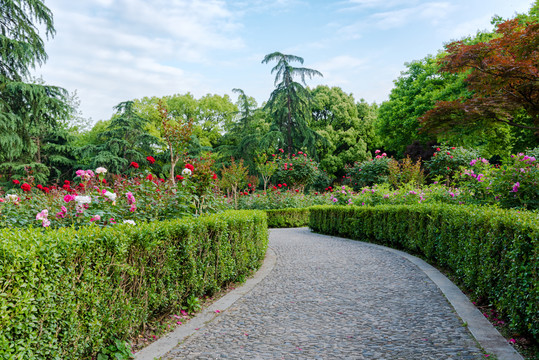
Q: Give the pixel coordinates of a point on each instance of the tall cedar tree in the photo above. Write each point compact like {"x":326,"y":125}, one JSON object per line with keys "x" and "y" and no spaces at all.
{"x":289,"y":103}
{"x":503,"y":76}
{"x":28,"y":111}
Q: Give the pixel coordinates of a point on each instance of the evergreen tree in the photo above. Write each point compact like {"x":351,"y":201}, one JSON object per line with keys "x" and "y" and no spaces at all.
{"x":125,"y":140}
{"x":289,"y":104}
{"x":28,"y":110}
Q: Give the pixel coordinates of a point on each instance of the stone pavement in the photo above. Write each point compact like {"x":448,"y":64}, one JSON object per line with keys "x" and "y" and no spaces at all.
{"x":332,"y":298}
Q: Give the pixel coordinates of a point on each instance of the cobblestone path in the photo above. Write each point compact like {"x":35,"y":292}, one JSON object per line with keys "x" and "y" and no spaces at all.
{"x":331,"y":298}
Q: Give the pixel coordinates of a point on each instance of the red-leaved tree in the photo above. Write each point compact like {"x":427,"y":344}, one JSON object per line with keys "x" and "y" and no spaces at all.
{"x":503,"y":80}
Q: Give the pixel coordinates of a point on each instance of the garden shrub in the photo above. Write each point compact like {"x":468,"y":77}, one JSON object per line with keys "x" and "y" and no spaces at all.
{"x":298,"y":171}
{"x":68,"y":294}
{"x":405,"y":172}
{"x":447,"y":161}
{"x":368,"y":173}
{"x":492,"y":252}
{"x":287,"y":218}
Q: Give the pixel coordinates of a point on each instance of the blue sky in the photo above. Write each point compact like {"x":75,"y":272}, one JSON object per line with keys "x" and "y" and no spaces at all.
{"x":115,"y":50}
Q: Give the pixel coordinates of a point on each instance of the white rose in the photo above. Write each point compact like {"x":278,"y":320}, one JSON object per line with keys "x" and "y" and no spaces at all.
{"x":129,"y":222}
{"x":100,"y":170}
{"x":186,"y":171}
{"x":111,"y":196}
{"x":83,"y":199}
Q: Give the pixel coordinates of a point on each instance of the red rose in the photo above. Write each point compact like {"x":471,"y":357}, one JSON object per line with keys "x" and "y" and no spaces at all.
{"x":438,"y":149}
{"x":214,"y":176}
{"x":279,"y":185}
{"x":46,"y":189}
{"x":150,"y":159}
{"x":67,"y":182}
{"x":39,"y":186}
{"x":134,"y":164}
{"x":249,"y":185}
{"x":81,"y":185}
{"x":104,"y":181}
{"x":25,"y":187}
{"x":284,"y":184}
{"x":149,"y":177}
{"x":179,"y":177}
{"x":190,"y":167}
{"x":16,"y":182}
{"x":297,"y":190}
{"x":274,"y":187}
{"x":66,"y":186}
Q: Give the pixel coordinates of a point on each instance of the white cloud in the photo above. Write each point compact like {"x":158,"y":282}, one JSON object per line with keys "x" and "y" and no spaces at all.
{"x":433,"y":13}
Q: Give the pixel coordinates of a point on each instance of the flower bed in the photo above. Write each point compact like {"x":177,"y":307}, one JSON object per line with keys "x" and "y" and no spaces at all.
{"x":494,"y":253}
{"x":68,"y":293}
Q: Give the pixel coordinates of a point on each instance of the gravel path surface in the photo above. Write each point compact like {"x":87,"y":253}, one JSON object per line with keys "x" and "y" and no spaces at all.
{"x":331,"y":298}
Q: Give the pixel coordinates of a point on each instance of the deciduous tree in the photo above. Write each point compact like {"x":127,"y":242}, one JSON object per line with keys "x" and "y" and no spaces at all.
{"x":502,"y":74}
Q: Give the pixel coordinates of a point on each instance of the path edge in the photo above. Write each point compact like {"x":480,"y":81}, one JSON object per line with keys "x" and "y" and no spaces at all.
{"x":168,"y":342}
{"x":488,"y":337}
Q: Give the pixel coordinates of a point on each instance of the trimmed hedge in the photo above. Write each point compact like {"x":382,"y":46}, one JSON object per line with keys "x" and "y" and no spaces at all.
{"x":288,"y":218}
{"x":67,"y":294}
{"x":494,"y":253}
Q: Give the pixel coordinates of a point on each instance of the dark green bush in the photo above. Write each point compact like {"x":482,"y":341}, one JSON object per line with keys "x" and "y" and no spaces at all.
{"x":492,"y":252}
{"x":67,"y":294}
{"x":287,"y":218}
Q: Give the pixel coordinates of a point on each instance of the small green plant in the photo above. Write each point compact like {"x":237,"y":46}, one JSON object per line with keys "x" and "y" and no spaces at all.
{"x":120,"y":350}
{"x":193,"y":304}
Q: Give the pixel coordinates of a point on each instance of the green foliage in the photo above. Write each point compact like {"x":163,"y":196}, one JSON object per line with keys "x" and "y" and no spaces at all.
{"x":124,"y":140}
{"x":70,"y":294}
{"x":370,"y":172}
{"x":405,"y":172}
{"x":280,"y":198}
{"x":233,"y":178}
{"x":120,"y":350}
{"x":289,"y":104}
{"x":513,"y":184}
{"x":415,"y":92}
{"x":265,"y":168}
{"x":21,"y":47}
{"x":447,"y":161}
{"x":491,"y":251}
{"x":243,"y":139}
{"x":296,"y":171}
{"x":287,"y":218}
{"x":345,"y":135}
{"x":192,"y":304}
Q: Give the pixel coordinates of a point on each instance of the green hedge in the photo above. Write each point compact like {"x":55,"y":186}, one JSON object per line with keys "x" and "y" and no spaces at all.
{"x":66,"y":294}
{"x":287,"y":218}
{"x":494,"y":253}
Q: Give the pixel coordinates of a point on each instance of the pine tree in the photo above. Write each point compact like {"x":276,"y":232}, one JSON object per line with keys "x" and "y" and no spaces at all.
{"x":289,"y":103}
{"x":28,"y":110}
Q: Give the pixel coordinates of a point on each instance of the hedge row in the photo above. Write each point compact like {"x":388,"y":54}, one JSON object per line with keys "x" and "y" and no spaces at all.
{"x":288,"y":218}
{"x":494,"y":253}
{"x":66,"y":294}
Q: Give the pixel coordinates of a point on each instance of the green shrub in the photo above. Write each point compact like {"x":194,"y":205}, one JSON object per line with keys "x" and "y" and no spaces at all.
{"x":493,"y":252}
{"x":368,"y":173}
{"x":447,"y":161}
{"x":287,"y":218}
{"x":68,"y":294}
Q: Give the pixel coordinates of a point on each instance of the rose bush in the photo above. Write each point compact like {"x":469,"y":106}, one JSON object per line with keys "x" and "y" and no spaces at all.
{"x":90,"y":199}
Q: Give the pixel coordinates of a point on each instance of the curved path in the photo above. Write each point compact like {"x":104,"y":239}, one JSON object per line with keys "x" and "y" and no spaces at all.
{"x":333,"y":298}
